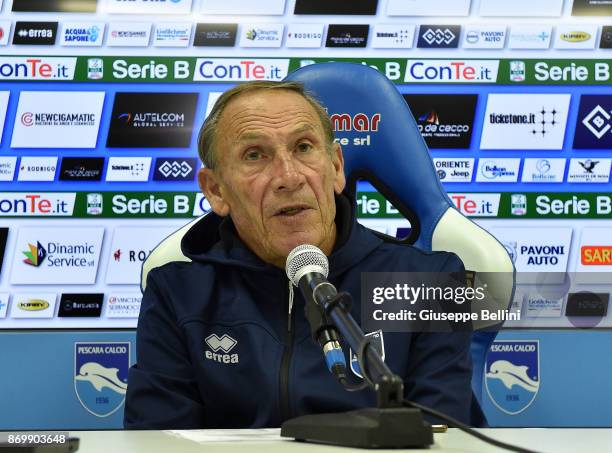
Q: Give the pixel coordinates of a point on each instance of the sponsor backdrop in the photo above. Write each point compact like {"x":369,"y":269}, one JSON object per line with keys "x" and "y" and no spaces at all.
{"x":100,"y":104}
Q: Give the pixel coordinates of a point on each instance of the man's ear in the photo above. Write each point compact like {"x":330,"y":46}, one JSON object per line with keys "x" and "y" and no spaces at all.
{"x":338,"y":163}
{"x":210,"y":184}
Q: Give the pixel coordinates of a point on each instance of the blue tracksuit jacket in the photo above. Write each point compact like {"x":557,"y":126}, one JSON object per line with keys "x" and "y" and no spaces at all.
{"x":219,"y":347}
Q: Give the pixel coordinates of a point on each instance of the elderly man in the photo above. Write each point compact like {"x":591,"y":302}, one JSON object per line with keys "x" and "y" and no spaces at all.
{"x":222,"y":340}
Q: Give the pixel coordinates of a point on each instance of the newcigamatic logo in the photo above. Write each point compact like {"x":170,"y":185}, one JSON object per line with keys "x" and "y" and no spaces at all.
{"x":57,"y":119}
{"x":128,"y":34}
{"x":594,"y":123}
{"x":438,"y":36}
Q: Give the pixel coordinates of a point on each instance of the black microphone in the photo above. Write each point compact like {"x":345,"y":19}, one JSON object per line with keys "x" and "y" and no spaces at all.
{"x":307,"y":268}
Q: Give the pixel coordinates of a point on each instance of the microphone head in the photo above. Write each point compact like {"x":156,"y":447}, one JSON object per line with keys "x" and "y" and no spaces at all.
{"x":305,"y":259}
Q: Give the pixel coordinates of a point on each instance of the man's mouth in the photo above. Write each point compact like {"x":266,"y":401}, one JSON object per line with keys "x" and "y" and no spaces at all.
{"x":291,"y":210}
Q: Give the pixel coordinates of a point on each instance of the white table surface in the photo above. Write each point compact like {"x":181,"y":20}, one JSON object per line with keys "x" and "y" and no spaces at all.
{"x":548,"y":440}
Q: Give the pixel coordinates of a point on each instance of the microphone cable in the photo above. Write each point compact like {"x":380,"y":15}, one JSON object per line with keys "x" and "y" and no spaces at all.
{"x":452,"y":422}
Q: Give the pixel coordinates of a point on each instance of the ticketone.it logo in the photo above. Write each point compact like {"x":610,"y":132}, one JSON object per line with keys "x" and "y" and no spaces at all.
{"x":35,"y":255}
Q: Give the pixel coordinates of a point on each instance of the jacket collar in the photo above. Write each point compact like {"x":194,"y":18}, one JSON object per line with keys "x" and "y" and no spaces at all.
{"x":214,"y":239}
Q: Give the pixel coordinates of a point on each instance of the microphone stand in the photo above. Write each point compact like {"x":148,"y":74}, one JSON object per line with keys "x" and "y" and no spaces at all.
{"x":389,"y":425}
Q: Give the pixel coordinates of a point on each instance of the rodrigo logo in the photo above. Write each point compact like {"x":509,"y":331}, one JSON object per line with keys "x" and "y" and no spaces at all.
{"x":35,"y":255}
{"x":513,"y":374}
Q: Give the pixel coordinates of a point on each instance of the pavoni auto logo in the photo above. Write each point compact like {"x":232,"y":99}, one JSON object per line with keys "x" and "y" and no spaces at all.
{"x":512,"y":374}
{"x":100,"y":376}
{"x":537,"y":249}
{"x":35,"y":255}
{"x":240,"y":69}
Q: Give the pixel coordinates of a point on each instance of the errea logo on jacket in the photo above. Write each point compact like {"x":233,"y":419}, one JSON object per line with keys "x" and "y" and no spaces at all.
{"x":224,"y":344}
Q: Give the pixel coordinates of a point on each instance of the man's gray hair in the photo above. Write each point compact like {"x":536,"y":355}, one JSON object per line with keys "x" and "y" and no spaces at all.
{"x":208,"y":132}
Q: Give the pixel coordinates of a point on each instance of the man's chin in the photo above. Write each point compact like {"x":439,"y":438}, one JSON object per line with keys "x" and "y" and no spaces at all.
{"x":285,"y":247}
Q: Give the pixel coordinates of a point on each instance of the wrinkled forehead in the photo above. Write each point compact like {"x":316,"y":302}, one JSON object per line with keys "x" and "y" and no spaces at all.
{"x":267,"y":110}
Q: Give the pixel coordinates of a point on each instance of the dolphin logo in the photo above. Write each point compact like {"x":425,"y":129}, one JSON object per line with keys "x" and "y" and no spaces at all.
{"x":512,"y":375}
{"x":101,"y":377}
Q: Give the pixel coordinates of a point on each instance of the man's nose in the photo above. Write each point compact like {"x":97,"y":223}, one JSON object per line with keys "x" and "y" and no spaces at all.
{"x":287,"y":175}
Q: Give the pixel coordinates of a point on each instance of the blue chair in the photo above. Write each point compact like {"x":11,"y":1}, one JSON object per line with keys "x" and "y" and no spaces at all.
{"x":363,"y":103}
{"x":382,"y":144}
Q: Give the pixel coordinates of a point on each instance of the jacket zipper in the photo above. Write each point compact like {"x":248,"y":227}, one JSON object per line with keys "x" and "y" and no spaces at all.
{"x":285,"y":404}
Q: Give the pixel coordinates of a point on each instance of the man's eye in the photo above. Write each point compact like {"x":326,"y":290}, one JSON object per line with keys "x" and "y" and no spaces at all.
{"x":304,"y":147}
{"x":252,"y":155}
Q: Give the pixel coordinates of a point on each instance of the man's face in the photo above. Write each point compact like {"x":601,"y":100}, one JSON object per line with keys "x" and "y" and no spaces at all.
{"x":274,"y":174}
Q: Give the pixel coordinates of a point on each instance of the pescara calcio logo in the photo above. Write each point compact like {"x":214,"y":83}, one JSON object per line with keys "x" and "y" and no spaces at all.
{"x":512,"y":374}
{"x":100,"y":376}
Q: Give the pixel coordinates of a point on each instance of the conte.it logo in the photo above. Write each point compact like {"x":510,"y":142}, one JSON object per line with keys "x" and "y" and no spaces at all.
{"x":35,"y":255}
{"x":127,"y":117}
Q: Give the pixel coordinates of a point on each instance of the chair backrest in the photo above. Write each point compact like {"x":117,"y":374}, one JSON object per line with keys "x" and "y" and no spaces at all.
{"x":381,"y":143}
